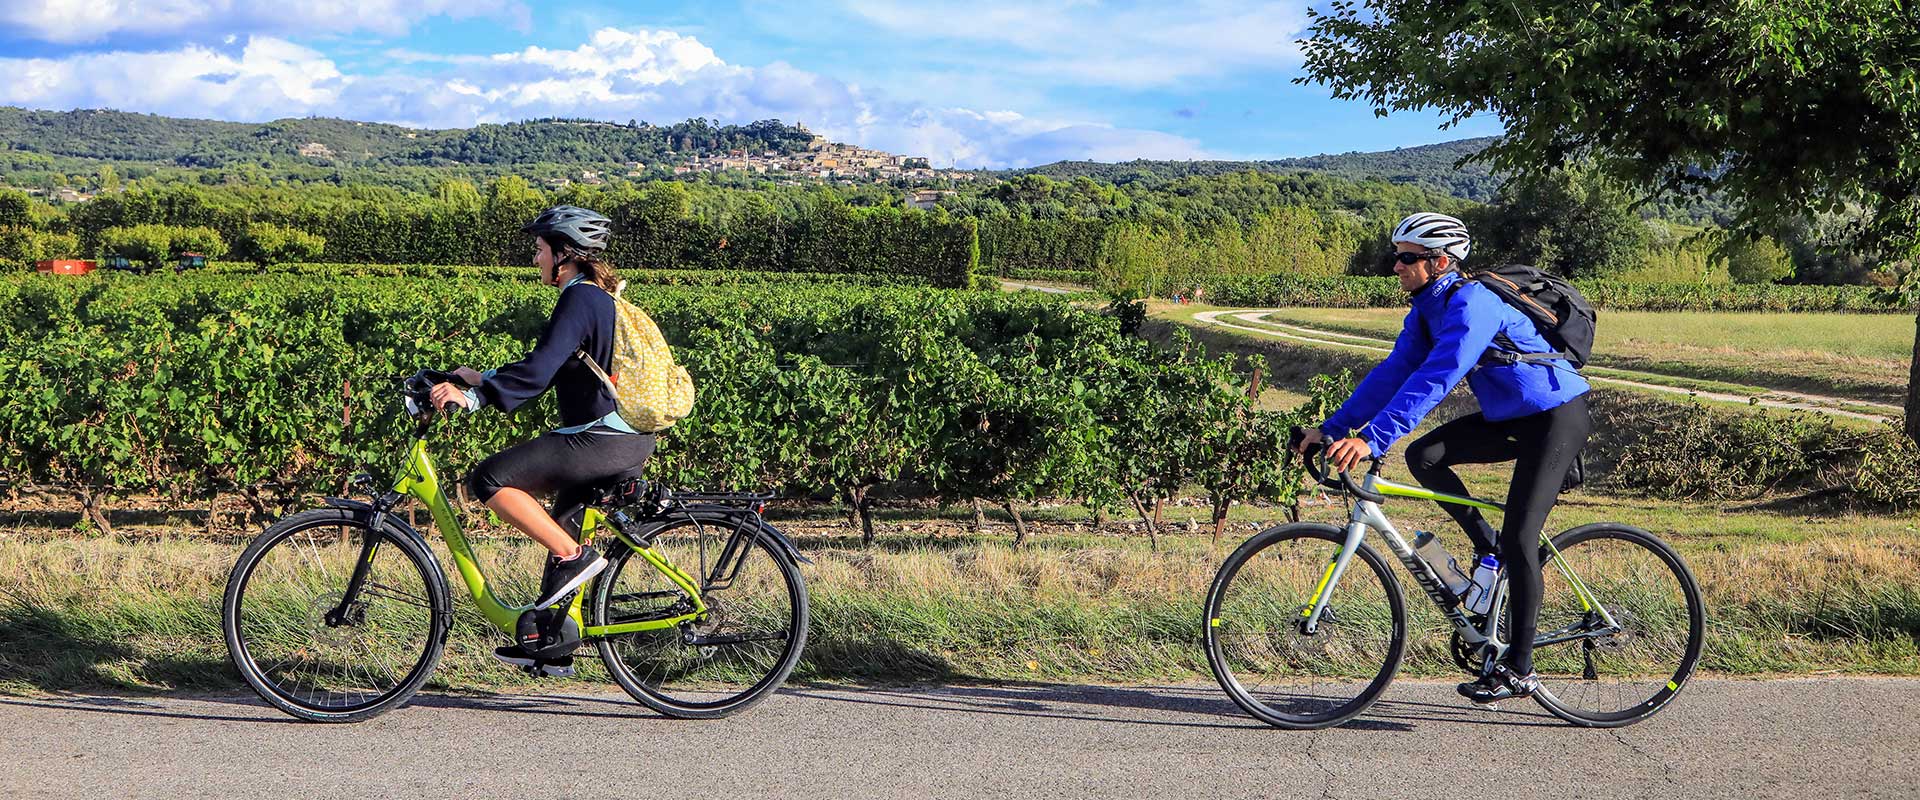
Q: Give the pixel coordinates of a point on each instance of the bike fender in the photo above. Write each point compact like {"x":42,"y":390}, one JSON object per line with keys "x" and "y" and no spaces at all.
{"x":785,"y":543}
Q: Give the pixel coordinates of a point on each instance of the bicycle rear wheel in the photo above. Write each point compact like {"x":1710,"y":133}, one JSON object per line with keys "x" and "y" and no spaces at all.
{"x":312,"y":642}
{"x":1260,"y":653}
{"x":749,"y":641}
{"x":1595,"y":678}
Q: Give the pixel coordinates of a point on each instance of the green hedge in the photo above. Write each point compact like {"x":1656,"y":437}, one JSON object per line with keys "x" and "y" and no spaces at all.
{"x":1082,"y":277}
{"x":1010,"y":243}
{"x":655,"y":229}
{"x":1365,"y":292}
{"x":651,"y":277}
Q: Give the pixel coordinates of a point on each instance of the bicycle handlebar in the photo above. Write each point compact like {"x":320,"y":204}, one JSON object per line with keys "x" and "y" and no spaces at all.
{"x":416,"y":390}
{"x":1315,"y":460}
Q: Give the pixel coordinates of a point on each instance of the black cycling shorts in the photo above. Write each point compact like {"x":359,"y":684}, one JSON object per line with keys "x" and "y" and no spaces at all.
{"x":562,"y":465}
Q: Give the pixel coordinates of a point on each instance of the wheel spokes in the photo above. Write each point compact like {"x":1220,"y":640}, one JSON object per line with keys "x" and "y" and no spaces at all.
{"x":306,"y":653}
{"x":1603,"y":672}
{"x":733,"y":648}
{"x":1261,"y":640}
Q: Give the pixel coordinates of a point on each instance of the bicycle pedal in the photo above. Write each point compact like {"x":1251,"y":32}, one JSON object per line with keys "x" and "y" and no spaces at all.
{"x":548,"y":670}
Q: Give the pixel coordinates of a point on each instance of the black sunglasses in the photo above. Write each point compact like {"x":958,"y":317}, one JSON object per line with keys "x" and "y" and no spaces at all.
{"x":1415,"y":258}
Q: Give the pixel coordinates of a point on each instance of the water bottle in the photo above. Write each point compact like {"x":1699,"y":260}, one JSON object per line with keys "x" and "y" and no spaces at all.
{"x":1480,"y":595}
{"x":1451,"y":575}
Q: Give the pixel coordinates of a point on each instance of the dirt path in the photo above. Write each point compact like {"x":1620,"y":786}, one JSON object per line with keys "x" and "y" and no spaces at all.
{"x":1253,"y":320}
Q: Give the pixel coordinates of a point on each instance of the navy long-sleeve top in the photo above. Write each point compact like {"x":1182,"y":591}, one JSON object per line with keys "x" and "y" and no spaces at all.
{"x":583,"y":319}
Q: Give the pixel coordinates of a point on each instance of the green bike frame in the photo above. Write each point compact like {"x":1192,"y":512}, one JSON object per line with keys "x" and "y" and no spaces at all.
{"x":420,"y":480}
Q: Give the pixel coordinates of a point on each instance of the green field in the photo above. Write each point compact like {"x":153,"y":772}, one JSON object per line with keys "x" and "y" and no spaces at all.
{"x":1857,"y":356}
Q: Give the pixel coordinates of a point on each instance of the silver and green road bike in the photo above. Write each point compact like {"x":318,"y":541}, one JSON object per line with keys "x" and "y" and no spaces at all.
{"x":339,"y":613}
{"x":1306,"y":624}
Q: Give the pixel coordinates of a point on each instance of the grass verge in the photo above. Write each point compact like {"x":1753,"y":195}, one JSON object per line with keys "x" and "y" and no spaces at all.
{"x":1784,"y":595}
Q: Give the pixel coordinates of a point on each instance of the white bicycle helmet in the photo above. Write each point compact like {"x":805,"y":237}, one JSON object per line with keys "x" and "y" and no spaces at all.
{"x":1435,"y":232}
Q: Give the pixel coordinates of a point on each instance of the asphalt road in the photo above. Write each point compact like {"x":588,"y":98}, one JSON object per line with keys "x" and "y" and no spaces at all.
{"x":1820,"y":739}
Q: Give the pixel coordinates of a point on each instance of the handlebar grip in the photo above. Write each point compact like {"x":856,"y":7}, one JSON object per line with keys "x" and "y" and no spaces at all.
{"x":1315,"y":460}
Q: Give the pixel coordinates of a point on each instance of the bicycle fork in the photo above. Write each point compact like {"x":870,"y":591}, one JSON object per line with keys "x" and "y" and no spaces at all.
{"x":342,"y":614}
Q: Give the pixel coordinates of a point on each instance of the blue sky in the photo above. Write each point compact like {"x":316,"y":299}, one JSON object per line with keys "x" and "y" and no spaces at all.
{"x":973,"y":83}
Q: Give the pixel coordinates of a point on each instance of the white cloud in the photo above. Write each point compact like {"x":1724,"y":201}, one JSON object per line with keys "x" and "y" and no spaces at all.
{"x":79,"y":21}
{"x":269,"y":78}
{"x":616,"y":75}
{"x":1126,"y":44}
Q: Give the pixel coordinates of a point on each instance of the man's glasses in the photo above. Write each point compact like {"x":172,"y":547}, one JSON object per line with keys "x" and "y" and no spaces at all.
{"x":1415,"y":258}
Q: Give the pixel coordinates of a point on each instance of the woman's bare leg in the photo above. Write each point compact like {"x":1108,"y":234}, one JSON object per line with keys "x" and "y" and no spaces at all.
{"x":522,"y":511}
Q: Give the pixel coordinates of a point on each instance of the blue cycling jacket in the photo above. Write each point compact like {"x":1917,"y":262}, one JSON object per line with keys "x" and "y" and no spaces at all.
{"x":1442,"y":341}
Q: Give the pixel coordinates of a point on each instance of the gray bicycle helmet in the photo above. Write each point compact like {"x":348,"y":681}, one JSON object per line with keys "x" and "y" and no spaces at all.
{"x":585,"y":229}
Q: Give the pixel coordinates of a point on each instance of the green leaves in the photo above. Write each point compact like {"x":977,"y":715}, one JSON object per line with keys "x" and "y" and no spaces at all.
{"x":1782,"y":106}
{"x":188,"y":384}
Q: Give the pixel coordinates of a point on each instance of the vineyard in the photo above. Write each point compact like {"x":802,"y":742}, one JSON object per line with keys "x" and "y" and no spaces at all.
{"x":658,"y":229}
{"x":529,"y":275}
{"x":194,"y":386}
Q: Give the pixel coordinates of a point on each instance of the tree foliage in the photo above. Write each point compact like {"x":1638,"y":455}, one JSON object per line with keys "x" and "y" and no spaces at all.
{"x":1783,"y":106}
{"x":266,"y":243}
{"x":1757,"y":260}
{"x":1571,"y":222}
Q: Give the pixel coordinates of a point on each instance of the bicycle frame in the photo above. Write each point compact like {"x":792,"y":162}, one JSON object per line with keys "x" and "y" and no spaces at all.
{"x":420,"y":480}
{"x":1367,"y":514}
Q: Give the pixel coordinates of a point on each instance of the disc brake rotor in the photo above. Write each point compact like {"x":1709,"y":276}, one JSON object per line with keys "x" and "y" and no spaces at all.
{"x":1298,"y":641}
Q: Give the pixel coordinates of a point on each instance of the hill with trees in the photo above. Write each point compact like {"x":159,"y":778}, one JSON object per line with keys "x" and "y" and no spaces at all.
{"x":1427,"y":166}
{"x":121,"y":136}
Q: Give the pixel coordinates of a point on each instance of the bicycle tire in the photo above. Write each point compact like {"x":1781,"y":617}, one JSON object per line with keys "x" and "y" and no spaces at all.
{"x":1219,"y":624}
{"x":1664,"y":686}
{"x":690,"y":661}
{"x":243,"y":647}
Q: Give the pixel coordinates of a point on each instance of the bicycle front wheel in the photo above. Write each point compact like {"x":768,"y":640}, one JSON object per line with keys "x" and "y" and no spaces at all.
{"x":1596,"y":675}
{"x":749,"y":641}
{"x":332,"y":621}
{"x":1256,"y":639}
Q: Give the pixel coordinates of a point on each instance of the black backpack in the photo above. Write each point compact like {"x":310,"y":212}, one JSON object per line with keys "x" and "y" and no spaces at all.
{"x":1563,"y":317}
{"x":1558,"y":311}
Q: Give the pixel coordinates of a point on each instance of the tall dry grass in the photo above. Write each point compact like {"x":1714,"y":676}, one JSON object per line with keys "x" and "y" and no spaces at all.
{"x":93,"y":613}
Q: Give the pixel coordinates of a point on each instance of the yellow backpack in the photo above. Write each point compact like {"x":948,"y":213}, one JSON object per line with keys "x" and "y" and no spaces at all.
{"x":650,"y":391}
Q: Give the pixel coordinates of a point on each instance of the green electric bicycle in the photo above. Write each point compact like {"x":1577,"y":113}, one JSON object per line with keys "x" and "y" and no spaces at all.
{"x":1306,"y":624}
{"x":337,"y":614}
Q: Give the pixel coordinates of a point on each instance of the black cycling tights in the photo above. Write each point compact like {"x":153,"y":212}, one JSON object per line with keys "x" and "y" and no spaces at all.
{"x":1542,"y":447}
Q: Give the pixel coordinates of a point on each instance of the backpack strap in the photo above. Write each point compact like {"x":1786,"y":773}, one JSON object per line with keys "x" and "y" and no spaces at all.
{"x":605,"y":380}
{"x":1503,"y":352}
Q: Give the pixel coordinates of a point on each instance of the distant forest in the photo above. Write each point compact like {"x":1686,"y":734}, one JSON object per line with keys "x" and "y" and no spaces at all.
{"x":311,"y":174}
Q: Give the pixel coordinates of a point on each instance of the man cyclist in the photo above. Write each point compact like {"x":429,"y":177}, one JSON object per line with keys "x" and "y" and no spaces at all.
{"x":1532,"y":413}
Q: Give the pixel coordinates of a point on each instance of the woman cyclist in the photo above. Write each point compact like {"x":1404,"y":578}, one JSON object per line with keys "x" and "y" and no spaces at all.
{"x":593,"y":443}
{"x":1531,"y":413}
